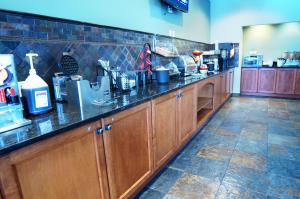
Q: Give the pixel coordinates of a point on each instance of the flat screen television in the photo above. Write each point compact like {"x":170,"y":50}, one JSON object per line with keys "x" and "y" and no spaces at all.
{"x":182,"y":5}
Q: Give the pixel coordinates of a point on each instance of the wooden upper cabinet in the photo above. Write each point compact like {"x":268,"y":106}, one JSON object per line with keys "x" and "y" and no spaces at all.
{"x":285,"y":82}
{"x":187,"y":113}
{"x":128,"y":150}
{"x":249,"y":80}
{"x":297,"y":82}
{"x":164,"y":127}
{"x":68,"y":166}
{"x":267,"y":80}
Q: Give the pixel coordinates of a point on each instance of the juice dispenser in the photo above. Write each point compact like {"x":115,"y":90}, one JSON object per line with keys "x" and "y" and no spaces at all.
{"x":11,"y":108}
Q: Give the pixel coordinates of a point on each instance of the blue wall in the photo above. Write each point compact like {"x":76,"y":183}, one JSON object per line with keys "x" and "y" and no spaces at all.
{"x":272,"y":40}
{"x":229,"y":17}
{"x":143,"y":15}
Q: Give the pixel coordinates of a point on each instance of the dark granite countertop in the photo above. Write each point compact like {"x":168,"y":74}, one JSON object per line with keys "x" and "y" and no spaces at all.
{"x":64,"y":117}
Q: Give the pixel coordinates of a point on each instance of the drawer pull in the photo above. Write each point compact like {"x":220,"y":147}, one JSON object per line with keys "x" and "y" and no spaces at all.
{"x":108,"y":127}
{"x":99,"y":131}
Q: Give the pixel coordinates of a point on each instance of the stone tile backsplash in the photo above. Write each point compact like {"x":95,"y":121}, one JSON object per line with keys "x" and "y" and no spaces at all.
{"x":49,"y":37}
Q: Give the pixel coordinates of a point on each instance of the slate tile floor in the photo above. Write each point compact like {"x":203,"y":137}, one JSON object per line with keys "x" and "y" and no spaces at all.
{"x":250,"y":149}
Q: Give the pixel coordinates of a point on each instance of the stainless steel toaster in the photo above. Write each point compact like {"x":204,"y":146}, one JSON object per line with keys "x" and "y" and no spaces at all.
{"x":187,"y":65}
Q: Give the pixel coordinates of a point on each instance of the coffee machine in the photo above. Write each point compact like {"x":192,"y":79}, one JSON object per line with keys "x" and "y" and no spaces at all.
{"x":223,"y":59}
{"x":225,"y":55}
{"x":211,"y":59}
{"x":229,"y":55}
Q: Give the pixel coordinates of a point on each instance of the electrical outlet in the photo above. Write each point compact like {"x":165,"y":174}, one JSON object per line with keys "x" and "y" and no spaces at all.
{"x":172,"y":33}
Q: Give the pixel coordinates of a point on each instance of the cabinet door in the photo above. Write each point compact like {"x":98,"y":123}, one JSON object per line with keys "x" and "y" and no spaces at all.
{"x":128,"y":144}
{"x":187,"y":113}
{"x":68,"y":166}
{"x":217,"y":92}
{"x":266,"y":80}
{"x":249,"y":80}
{"x":223,"y":87}
{"x":229,"y":83}
{"x":231,"y":79}
{"x":285,"y":82}
{"x":297,"y":82}
{"x":164,"y":127}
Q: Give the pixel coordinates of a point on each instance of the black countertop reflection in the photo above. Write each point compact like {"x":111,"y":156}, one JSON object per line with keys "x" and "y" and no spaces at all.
{"x":65,"y":117}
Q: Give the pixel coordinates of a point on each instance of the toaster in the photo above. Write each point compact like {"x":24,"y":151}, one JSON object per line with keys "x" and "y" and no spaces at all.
{"x":187,"y":65}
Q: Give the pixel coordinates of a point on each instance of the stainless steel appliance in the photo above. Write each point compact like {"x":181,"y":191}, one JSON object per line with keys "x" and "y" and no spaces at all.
{"x":187,"y":65}
{"x":211,"y":57}
{"x":229,"y":55}
{"x":281,"y":62}
{"x":84,"y":93}
{"x":253,"y":61}
{"x":75,"y":90}
{"x":69,"y":67}
{"x":210,"y":67}
{"x":123,"y":82}
{"x":59,"y":86}
{"x":292,"y":59}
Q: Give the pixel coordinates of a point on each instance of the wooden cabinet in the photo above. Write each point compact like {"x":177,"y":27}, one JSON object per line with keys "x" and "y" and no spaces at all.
{"x":229,"y":84}
{"x":68,"y":166}
{"x":231,"y":80}
{"x":187,"y":113}
{"x":114,"y":161}
{"x":164,"y":127}
{"x":267,"y":80}
{"x":223,"y":87}
{"x":285,"y":81}
{"x":297,"y":82}
{"x":206,"y":100}
{"x":174,"y":120}
{"x":217,"y":91}
{"x":249,"y":80}
{"x":271,"y":82}
{"x":128,"y":150}
{"x":226,"y":81}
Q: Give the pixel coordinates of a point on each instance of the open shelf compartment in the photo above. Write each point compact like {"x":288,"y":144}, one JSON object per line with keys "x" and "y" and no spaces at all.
{"x":202,"y":116}
{"x":203,"y":102}
{"x":205,"y":95}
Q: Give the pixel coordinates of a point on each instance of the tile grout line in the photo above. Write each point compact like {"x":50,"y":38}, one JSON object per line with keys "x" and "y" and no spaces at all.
{"x":221,"y":181}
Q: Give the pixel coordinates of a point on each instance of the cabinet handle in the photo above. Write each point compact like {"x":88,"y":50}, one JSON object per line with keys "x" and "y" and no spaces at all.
{"x":99,"y":131}
{"x":181,"y":94}
{"x":108,"y":127}
{"x":178,"y":95}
